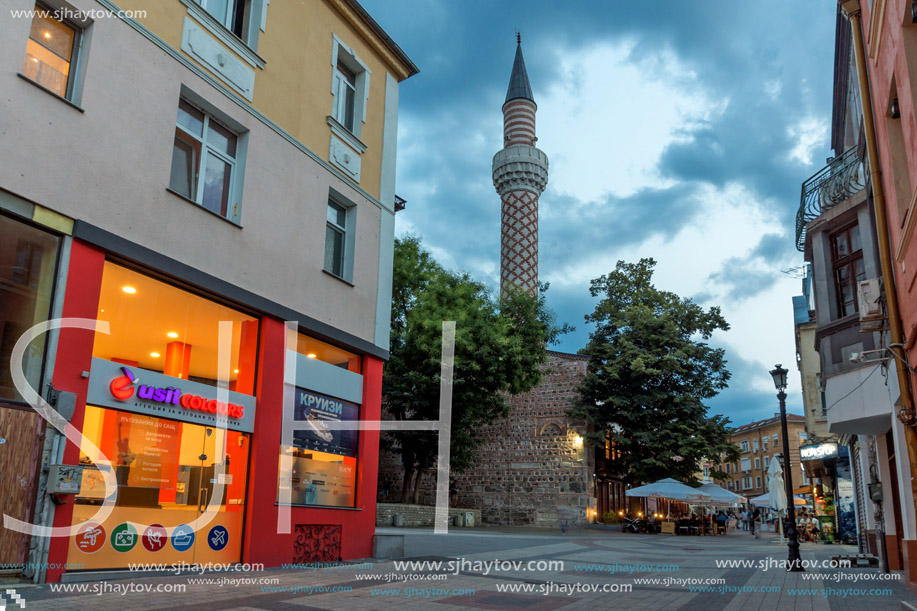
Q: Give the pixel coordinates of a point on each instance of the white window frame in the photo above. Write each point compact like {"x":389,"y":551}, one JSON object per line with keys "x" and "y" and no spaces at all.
{"x":767,"y":462}
{"x":757,"y":462}
{"x":746,"y":464}
{"x":755,"y":445}
{"x":349,"y":231}
{"x":757,"y":481}
{"x":236,"y":164}
{"x":343,"y":53}
{"x":744,"y":445}
{"x":775,"y":439}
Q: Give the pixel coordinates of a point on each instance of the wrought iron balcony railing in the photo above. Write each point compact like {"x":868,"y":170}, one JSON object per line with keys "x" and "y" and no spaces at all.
{"x":832,"y":185}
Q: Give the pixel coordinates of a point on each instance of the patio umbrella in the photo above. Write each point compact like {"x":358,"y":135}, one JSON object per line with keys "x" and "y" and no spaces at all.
{"x":721,"y":496}
{"x":776,"y":489}
{"x":670,"y":489}
{"x":765,"y":501}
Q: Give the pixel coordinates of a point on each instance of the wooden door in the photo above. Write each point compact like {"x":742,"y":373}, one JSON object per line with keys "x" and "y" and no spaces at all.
{"x":21,"y":431}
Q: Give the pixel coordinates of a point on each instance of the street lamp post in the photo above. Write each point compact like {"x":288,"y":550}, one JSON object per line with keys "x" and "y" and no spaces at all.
{"x":789,"y":525}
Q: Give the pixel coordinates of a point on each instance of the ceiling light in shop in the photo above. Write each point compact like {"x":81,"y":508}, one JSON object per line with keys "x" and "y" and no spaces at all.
{"x":235,"y":371}
{"x":172,"y":334}
{"x":129,"y":290}
{"x":312,"y":355}
{"x":155,"y":355}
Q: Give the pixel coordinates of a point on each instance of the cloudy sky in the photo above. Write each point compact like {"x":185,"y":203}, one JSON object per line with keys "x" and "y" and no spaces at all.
{"x":678,"y":131}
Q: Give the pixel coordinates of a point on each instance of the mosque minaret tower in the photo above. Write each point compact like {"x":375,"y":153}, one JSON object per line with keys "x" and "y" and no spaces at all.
{"x":520,"y":173}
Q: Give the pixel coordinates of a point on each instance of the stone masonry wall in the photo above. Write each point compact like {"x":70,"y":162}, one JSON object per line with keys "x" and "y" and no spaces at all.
{"x":531,"y":470}
{"x":416,"y":515}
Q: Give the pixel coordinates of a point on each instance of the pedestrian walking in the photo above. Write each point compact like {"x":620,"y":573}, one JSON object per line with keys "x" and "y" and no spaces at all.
{"x":743,"y":518}
{"x":755,"y":523}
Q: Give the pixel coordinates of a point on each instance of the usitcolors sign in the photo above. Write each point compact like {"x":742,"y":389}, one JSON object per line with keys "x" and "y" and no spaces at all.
{"x":147,"y":392}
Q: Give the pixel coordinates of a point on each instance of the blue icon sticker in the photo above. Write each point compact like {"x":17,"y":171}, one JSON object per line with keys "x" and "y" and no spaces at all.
{"x":182,"y":538}
{"x":217,"y":538}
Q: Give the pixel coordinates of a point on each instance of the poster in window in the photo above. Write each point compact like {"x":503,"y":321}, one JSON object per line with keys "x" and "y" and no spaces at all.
{"x":319,"y":409}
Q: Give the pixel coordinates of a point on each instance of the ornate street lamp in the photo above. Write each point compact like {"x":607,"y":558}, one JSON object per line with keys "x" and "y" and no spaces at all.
{"x":789,"y":524}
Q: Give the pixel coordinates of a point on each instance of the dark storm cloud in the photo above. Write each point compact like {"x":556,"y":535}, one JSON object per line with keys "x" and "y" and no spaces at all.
{"x":767,"y":68}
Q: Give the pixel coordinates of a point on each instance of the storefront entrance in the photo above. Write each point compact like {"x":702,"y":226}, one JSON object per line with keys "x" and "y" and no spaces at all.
{"x":166,"y":475}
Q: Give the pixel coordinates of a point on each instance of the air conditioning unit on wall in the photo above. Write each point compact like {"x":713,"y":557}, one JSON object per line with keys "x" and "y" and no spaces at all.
{"x":869,"y":295}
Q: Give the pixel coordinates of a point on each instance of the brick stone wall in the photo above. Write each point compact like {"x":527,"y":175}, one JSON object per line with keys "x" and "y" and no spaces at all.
{"x":416,"y":515}
{"x":531,"y":471}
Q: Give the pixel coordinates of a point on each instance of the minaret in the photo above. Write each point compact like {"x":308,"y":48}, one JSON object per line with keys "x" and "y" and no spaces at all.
{"x":520,"y":174}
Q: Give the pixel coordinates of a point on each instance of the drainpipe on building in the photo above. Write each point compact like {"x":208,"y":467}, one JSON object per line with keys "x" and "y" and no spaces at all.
{"x":906,"y":410}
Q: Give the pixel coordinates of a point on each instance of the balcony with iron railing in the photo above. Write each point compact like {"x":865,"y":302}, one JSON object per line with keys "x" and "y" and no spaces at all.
{"x":841,"y":179}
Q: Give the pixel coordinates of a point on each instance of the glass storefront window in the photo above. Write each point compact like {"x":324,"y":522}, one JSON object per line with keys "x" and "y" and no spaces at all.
{"x":162,"y":328}
{"x":28,"y":257}
{"x":321,"y":465}
{"x":319,"y":350}
{"x":166,"y":475}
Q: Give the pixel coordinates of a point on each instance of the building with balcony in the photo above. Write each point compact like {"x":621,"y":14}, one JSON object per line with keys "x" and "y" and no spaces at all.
{"x":836,"y":231}
{"x":887,"y":30}
{"x":214,"y":184}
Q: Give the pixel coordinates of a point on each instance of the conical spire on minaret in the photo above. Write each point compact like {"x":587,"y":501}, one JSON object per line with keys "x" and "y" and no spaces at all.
{"x":519,"y":86}
{"x":520,"y":174}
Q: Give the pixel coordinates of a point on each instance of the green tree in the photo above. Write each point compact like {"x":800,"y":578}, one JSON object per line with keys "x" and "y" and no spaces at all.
{"x":650,"y":369}
{"x":499,"y":348}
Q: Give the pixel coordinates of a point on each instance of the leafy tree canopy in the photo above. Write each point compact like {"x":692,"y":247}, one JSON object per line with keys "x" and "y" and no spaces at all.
{"x":499,"y":348}
{"x":650,"y":369}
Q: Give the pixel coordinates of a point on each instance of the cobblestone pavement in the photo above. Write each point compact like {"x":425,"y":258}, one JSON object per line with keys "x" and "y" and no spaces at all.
{"x":536,"y":571}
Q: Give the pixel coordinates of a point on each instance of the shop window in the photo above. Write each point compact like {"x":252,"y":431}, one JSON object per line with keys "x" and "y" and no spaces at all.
{"x":339,"y":239}
{"x":848,"y":268}
{"x":166,"y":473}
{"x":321,"y":351}
{"x":162,"y":328}
{"x":28,"y":257}
{"x":350,"y":88}
{"x":51,"y":51}
{"x":320,"y":468}
{"x":205,"y":162}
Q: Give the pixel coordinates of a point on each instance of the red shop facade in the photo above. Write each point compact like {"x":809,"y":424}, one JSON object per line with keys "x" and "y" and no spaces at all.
{"x":148,"y":402}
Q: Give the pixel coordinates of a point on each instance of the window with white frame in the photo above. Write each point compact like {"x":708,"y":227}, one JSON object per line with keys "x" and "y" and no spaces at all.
{"x":729,"y":484}
{"x":757,"y":481}
{"x":755,"y":445}
{"x":335,"y":236}
{"x":746,"y":464}
{"x":204,"y":161}
{"x":231,"y":14}
{"x":350,"y":89}
{"x":340,"y":233}
{"x":775,"y":439}
{"x":757,"y":463}
{"x":767,"y":461}
{"x":51,"y":52}
{"x":764,"y":443}
{"x":744,"y":445}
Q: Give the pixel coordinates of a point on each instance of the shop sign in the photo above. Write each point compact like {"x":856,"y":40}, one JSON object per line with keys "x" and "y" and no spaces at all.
{"x":818,"y":452}
{"x":147,"y":392}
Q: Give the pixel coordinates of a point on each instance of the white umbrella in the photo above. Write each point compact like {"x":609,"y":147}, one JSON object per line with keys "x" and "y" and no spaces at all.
{"x":765,"y":501}
{"x":721,"y":496}
{"x":776,"y":490}
{"x":670,"y":489}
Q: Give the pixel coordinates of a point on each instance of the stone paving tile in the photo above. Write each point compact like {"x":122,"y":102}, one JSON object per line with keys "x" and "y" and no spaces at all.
{"x":695,"y":557}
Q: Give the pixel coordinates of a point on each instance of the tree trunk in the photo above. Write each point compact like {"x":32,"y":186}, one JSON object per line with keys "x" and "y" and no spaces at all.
{"x":406,"y":485}
{"x":417,"y":481}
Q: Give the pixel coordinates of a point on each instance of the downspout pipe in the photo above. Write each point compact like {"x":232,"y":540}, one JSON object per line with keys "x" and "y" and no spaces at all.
{"x":906,"y":411}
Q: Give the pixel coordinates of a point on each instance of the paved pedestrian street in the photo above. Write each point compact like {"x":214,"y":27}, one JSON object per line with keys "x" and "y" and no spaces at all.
{"x":505,"y":569}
